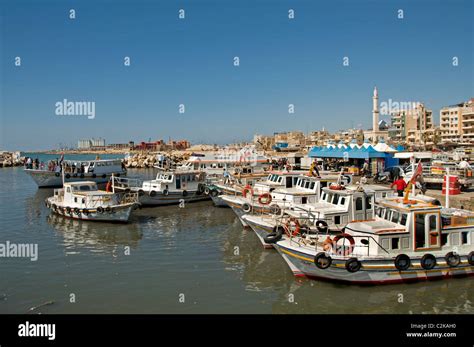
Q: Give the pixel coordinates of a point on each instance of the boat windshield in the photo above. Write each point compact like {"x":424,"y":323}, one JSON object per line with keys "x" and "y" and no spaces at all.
{"x":84,"y":188}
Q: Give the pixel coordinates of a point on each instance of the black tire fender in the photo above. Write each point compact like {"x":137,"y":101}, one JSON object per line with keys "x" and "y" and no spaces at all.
{"x":402,"y":262}
{"x":274,"y":236}
{"x":428,"y":261}
{"x":322,"y":260}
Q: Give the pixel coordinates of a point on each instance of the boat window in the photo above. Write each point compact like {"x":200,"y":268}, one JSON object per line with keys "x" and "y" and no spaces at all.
{"x":432,"y":222}
{"x":306,"y":185}
{"x":304,"y":200}
{"x":280,"y":179}
{"x":464,"y":239}
{"x":395,"y":216}
{"x":337,"y":220}
{"x":68,"y":189}
{"x":342,"y":200}
{"x":395,"y":243}
{"x":335,"y":198}
{"x":368,"y":202}
{"x":323,"y":196}
{"x":312,"y":185}
{"x":359,"y":205}
{"x":420,"y":230}
{"x":75,"y":199}
{"x":444,"y":239}
{"x":295,"y":180}
{"x":403,"y":220}
{"x":379,"y":211}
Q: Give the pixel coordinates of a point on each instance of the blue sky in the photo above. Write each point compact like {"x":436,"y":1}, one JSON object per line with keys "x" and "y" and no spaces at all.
{"x":190,"y":61}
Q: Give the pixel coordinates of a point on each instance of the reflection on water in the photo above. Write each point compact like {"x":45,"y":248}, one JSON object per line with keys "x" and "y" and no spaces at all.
{"x":198,"y":250}
{"x":104,"y":238}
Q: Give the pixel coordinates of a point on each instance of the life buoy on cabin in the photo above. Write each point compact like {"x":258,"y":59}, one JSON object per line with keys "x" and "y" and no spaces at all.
{"x":353,"y":265}
{"x":322,"y":260}
{"x":274,"y":236}
{"x":344,"y":250}
{"x":428,"y":261}
{"x":322,"y":226}
{"x":293,"y":227}
{"x":246,"y":190}
{"x":402,"y":262}
{"x":108,"y":187}
{"x":452,"y":259}
{"x":265,"y":199}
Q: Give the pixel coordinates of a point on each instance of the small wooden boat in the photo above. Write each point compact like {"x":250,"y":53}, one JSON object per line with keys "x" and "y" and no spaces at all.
{"x":83,"y":200}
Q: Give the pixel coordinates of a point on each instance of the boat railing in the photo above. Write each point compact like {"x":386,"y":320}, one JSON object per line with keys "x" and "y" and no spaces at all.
{"x":122,"y":183}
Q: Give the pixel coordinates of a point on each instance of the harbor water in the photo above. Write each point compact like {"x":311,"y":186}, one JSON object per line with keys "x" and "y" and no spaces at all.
{"x":196,"y":259}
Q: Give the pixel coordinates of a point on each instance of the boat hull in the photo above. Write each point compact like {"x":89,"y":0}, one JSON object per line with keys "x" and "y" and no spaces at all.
{"x":50,"y":179}
{"x":218,"y":202}
{"x":119,"y":214}
{"x":171,"y":199}
{"x":372,"y":272}
{"x":261,"y":231}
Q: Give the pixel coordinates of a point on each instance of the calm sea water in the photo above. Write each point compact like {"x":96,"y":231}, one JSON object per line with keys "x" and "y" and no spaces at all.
{"x":175,"y":252}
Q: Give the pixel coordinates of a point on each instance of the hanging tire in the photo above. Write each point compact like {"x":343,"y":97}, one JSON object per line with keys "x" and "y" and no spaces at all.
{"x":304,"y":230}
{"x":207,"y":191}
{"x":322,"y":260}
{"x":274,"y":236}
{"x":77,"y":211}
{"x":428,"y":261}
{"x":246,"y":208}
{"x":57,"y":174}
{"x":108,"y":209}
{"x":185,"y":193}
{"x":402,"y":262}
{"x":470,"y":258}
{"x":353,"y":265}
{"x":152,"y":193}
{"x":82,"y":175}
{"x":68,"y":210}
{"x":201,"y":188}
{"x":74,"y":175}
{"x":452,"y":259}
{"x":94,"y":175}
{"x":104,"y":176}
{"x":214,"y":193}
{"x":68,"y":176}
{"x":166,"y":192}
{"x":100,"y":209}
{"x":322,"y":226}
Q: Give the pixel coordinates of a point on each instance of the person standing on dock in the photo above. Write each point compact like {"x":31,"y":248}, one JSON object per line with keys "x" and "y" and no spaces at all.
{"x":400,"y":184}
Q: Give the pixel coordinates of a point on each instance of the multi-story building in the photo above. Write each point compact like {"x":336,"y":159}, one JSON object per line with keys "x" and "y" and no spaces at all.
{"x":457,"y":123}
{"x":90,"y":143}
{"x":412,"y":126}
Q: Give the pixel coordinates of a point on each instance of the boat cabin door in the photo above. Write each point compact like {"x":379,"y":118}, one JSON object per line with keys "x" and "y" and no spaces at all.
{"x":289,"y":182}
{"x":364,"y":207}
{"x":426,"y":232}
{"x":178,"y":181}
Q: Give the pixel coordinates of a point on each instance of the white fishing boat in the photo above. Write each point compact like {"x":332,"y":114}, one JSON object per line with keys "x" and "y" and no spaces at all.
{"x":98,"y":171}
{"x":169,"y":187}
{"x":83,"y":200}
{"x":244,"y":161}
{"x":407,"y":240}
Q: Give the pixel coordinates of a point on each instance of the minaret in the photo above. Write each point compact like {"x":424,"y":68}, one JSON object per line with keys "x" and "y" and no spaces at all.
{"x":375,"y":111}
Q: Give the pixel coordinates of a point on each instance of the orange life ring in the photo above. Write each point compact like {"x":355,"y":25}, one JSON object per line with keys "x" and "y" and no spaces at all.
{"x":246,"y":190}
{"x":288,"y":228}
{"x":265,"y":199}
{"x":108,"y":187}
{"x":344,"y":250}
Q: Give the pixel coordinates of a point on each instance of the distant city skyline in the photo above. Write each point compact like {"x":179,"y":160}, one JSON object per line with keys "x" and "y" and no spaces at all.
{"x":47,"y":57}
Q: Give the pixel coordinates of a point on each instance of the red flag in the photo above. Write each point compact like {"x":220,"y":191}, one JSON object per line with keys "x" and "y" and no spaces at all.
{"x":418,"y":172}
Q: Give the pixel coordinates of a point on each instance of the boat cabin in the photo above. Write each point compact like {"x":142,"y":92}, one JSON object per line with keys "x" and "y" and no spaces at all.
{"x":84,"y":195}
{"x":175,"y":181}
{"x":338,"y":207}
